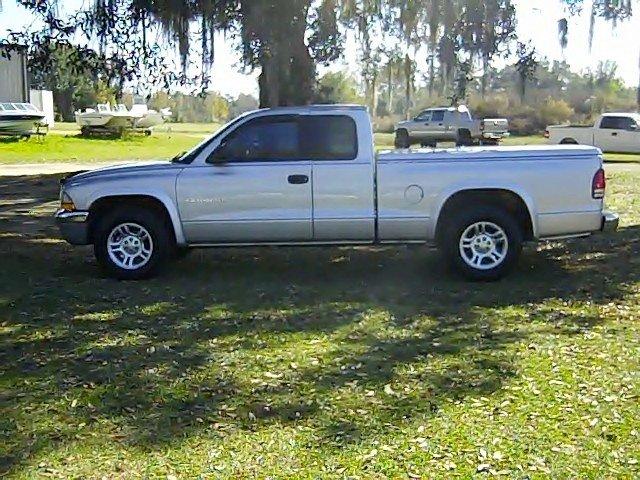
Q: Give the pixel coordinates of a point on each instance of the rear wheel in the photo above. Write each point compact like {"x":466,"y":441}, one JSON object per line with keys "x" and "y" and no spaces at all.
{"x":402,"y":139}
{"x":482,"y":244}
{"x":132,"y":243}
{"x":464,"y":138}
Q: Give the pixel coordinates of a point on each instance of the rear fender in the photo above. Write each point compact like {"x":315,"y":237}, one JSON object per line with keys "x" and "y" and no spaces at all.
{"x":447,"y":193}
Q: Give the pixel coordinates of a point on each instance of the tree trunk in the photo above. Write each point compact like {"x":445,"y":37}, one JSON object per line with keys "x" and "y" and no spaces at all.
{"x":390,"y":88}
{"x":269,"y":83}
{"x":302,"y":72}
{"x":408,"y":86}
{"x":638,"y":94}
{"x":432,"y":72}
{"x":373,"y":93}
{"x":288,"y":70}
{"x":485,"y":76}
{"x":63,"y":100}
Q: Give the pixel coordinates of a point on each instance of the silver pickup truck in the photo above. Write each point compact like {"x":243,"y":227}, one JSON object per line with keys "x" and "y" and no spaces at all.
{"x":310,"y":176}
{"x":450,"y":124}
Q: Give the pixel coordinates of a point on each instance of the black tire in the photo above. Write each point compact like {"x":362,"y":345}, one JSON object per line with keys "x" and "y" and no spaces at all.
{"x":568,"y":141}
{"x":153,"y":222}
{"x":458,"y":225}
{"x":402,"y":139}
{"x":464,"y":138}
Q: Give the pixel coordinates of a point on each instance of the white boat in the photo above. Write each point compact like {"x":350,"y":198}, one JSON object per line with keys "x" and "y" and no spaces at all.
{"x":104,"y":119}
{"x":149,"y":118}
{"x":20,"y":119}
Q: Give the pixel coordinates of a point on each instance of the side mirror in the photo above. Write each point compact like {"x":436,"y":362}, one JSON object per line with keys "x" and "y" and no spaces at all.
{"x":634,"y":127}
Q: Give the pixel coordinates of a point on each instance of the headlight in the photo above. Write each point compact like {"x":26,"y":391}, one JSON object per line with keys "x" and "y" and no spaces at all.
{"x":66,"y":203}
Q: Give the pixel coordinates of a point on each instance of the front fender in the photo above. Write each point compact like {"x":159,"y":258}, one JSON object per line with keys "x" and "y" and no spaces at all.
{"x":159,"y":195}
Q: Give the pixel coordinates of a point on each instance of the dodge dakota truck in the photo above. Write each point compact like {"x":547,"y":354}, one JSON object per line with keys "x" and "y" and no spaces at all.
{"x":612,"y":132}
{"x":450,"y":124}
{"x":310,"y":176}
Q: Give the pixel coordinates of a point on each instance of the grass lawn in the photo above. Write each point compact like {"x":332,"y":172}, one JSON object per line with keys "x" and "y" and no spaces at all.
{"x":64,"y":144}
{"x":318,"y":363}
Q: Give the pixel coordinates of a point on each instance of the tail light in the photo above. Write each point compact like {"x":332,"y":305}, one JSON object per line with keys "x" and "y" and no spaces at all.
{"x":546,"y":134}
{"x":482,"y":125}
{"x":599,"y":185}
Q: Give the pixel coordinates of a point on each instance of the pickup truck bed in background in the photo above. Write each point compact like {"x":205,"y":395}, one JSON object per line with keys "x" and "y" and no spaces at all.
{"x":309,"y":176}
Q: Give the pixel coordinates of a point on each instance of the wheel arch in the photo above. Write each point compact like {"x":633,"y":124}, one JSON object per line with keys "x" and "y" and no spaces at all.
{"x":513,"y":201}
{"x":164,"y":207}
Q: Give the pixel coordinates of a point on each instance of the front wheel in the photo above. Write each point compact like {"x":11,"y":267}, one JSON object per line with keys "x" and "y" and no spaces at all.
{"x":402,"y":139}
{"x":482,"y":244}
{"x":132,"y":243}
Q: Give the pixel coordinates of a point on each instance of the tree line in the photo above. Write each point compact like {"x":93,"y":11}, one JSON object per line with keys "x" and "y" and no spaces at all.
{"x":125,"y":42}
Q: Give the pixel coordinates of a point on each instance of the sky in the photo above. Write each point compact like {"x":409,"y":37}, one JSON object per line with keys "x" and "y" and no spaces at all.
{"x":537,"y":22}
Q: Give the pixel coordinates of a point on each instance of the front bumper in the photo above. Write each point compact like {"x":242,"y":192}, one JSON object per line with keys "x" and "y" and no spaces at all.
{"x":610,"y":221}
{"x":74,"y":226}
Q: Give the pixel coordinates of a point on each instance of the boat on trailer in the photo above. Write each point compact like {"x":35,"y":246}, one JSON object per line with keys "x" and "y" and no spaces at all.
{"x":104,"y":119}
{"x":20,"y":119}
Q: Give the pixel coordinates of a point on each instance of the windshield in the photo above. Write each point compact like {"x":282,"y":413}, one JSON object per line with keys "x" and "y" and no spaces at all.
{"x":188,"y":157}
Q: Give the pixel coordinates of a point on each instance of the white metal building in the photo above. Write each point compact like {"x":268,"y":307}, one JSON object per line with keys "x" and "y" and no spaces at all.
{"x":14,"y":86}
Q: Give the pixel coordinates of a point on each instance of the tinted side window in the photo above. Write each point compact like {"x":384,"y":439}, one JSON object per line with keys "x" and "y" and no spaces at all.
{"x":328,"y":137}
{"x":438,"y":116}
{"x":616,"y":123}
{"x":268,"y":138}
{"x":424,"y":116}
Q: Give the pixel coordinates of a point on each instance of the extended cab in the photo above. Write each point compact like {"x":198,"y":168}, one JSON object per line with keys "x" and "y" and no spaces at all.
{"x":612,"y":132}
{"x":310,"y":176}
{"x":450,"y":124}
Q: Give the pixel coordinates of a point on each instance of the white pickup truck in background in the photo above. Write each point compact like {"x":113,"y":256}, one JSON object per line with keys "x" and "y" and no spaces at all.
{"x":450,"y":124}
{"x":612,"y":132}
{"x":310,"y":176}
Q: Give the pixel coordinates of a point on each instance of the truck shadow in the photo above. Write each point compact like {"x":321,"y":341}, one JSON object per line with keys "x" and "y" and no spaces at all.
{"x":193,"y":349}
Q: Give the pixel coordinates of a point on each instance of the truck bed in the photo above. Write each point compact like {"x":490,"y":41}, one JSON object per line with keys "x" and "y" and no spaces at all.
{"x":493,"y":153}
{"x":554,"y":182}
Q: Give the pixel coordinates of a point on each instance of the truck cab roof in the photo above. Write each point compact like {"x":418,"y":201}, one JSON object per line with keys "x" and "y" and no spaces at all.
{"x":315,"y":108}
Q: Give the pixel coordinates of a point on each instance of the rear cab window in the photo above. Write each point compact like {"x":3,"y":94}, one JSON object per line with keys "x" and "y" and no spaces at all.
{"x":328,"y":137}
{"x":616,"y":123}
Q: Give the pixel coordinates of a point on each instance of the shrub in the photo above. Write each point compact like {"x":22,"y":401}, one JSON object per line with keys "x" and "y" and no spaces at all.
{"x":552,"y":112}
{"x":386,"y":124}
{"x":495,"y":106}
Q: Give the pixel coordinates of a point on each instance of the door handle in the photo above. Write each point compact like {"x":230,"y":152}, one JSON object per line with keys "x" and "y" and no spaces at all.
{"x":297,"y":179}
{"x":614,"y":134}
